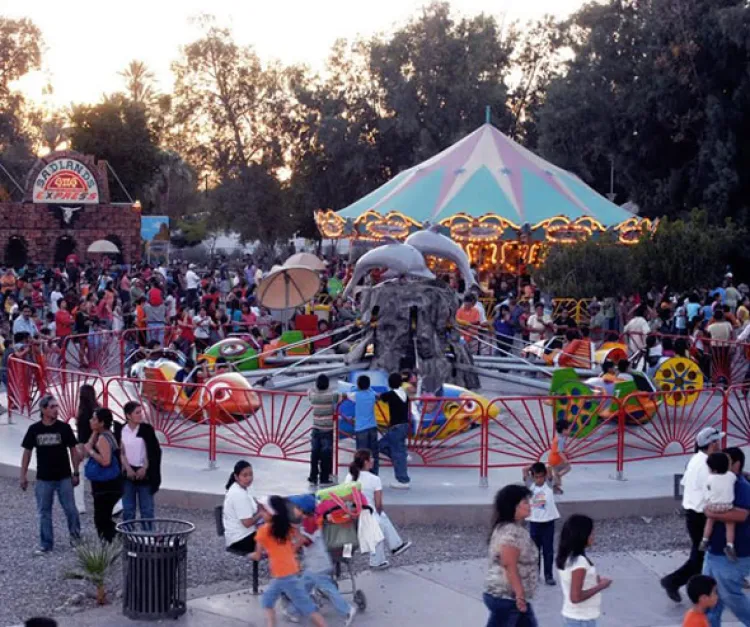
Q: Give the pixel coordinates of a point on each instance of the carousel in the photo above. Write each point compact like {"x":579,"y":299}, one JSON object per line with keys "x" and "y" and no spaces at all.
{"x":501,"y":203}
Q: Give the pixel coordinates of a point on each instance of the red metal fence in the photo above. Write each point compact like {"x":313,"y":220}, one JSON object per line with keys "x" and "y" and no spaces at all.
{"x":446,"y":433}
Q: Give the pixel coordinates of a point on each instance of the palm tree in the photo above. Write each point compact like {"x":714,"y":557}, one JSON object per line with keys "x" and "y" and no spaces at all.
{"x":139,"y":81}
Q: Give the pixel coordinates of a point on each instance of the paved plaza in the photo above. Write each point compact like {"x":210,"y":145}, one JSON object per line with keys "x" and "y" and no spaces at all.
{"x":449,"y":594}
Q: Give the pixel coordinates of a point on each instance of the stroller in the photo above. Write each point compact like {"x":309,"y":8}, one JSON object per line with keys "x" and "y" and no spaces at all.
{"x":339,"y":507}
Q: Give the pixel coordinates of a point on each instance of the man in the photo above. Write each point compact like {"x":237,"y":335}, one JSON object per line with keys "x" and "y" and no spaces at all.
{"x":730,"y":575}
{"x":55,"y":447}
{"x":192,"y":281}
{"x":24,"y":323}
{"x":694,"y":482}
{"x":539,"y":324}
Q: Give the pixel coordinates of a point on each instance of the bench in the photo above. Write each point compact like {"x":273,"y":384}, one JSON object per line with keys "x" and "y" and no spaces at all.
{"x":219,"y":518}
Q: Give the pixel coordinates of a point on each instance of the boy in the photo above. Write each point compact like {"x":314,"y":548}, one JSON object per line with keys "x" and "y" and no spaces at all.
{"x":365,"y":426}
{"x":393,"y":442}
{"x":559,"y":464}
{"x":324,"y":403}
{"x":701,"y":590}
{"x":543,"y":514}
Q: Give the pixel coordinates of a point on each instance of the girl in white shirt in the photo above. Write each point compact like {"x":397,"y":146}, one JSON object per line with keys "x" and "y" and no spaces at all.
{"x":581,"y":585}
{"x":372,"y":489}
{"x":240,"y":514}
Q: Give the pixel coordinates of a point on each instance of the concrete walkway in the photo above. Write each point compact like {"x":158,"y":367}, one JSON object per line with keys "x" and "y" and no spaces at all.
{"x":446,"y":595}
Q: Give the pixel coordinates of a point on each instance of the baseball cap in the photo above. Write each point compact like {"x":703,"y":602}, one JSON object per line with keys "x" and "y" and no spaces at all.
{"x":707,"y":436}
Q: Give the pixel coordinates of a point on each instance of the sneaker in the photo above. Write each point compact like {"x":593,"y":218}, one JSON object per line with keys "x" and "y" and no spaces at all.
{"x":401,"y":549}
{"x":550,"y":582}
{"x":288,"y":615}
{"x":41,"y":551}
{"x":703,"y":545}
{"x":672,"y":592}
{"x":730,"y":553}
{"x":381,"y":566}
{"x":350,"y":616}
{"x":327,"y":484}
{"x":397,"y":485}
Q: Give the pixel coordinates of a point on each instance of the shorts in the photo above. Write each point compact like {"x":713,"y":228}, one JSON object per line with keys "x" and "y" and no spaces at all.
{"x":560,"y":467}
{"x":719,"y":507}
{"x":294,"y":590}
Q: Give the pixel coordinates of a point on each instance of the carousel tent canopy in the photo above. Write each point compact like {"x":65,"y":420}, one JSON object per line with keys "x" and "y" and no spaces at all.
{"x":485,"y":174}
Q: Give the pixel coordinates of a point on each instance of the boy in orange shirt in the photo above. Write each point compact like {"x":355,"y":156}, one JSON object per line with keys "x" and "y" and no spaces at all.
{"x":701,"y":590}
{"x":558,"y":462}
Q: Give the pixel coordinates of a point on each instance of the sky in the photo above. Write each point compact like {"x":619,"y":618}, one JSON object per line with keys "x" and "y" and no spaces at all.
{"x":87,"y":42}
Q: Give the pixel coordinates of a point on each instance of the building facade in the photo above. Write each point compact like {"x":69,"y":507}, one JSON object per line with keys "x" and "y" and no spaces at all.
{"x":66,"y":207}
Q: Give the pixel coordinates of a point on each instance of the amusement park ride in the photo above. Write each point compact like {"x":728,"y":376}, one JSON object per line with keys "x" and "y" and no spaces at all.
{"x":407,"y":324}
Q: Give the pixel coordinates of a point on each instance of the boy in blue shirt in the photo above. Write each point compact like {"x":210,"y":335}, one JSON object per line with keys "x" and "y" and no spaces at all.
{"x":365,"y":426}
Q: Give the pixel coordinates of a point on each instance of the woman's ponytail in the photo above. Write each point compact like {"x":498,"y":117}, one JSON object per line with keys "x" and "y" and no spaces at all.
{"x":361,"y":457}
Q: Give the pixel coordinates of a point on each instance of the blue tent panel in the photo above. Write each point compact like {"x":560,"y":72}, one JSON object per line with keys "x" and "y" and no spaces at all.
{"x":606,"y":212}
{"x":481,"y":195}
{"x":543,"y":201}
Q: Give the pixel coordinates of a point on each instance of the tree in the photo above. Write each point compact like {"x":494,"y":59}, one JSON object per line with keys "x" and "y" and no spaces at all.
{"x":139,"y":82}
{"x":117,"y":130}
{"x":660,"y":90}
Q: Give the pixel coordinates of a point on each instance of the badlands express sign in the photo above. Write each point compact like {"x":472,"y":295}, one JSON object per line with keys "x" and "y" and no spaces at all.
{"x":66,"y":181}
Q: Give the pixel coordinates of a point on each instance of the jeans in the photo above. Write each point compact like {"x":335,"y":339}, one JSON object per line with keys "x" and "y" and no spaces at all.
{"x":574,"y":622}
{"x":321,"y":456}
{"x":368,"y":438}
{"x":140,"y":491}
{"x":543,"y":535}
{"x":104,"y":503}
{"x":323,"y":582}
{"x":730,"y":579}
{"x":392,"y":539}
{"x":504,"y":613}
{"x":695,"y":523}
{"x":294,"y":590}
{"x":45,"y":494}
{"x":156,"y":332}
{"x":393,"y":444}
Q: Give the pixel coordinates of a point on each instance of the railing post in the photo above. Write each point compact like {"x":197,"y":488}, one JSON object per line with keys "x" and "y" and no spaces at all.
{"x":725,"y":415}
{"x":105,"y":392}
{"x":211,"y":432}
{"x":484,"y":443}
{"x":620,"y":474}
{"x":336,"y":417}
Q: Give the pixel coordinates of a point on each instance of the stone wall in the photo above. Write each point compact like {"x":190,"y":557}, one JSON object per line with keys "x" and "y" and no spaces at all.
{"x":41,"y":226}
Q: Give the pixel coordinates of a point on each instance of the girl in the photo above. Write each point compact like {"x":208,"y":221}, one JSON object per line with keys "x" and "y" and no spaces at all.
{"x":580,"y":584}
{"x":240,"y":513}
{"x":141,"y":463}
{"x":372,"y":489}
{"x":280,"y":541}
{"x":87,"y":405}
{"x":102,"y":448}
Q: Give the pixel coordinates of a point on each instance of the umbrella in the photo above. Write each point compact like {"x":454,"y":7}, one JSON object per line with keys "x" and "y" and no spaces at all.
{"x":306,"y":260}
{"x":103,"y":246}
{"x":286,"y":287}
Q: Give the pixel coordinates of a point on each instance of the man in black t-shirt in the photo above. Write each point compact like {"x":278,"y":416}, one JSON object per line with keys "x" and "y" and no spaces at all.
{"x":55,"y":447}
{"x":393,"y":443}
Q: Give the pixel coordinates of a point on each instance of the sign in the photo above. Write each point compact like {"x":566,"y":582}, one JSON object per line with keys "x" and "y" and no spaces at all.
{"x":66,"y":181}
{"x":154,"y":228}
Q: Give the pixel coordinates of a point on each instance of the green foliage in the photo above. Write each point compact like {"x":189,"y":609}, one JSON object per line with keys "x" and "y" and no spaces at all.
{"x":95,"y":560}
{"x":683,"y":255}
{"x":118,"y":131}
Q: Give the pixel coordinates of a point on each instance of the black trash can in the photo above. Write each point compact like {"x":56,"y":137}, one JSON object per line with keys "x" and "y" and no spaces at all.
{"x":154,"y":572}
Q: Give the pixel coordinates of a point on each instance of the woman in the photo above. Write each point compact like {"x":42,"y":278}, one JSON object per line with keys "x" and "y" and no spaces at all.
{"x":241,"y":514}
{"x":372,"y":489}
{"x":141,"y":463}
{"x":581,"y":585}
{"x":514,"y":562}
{"x":87,"y":405}
{"x":102,"y":449}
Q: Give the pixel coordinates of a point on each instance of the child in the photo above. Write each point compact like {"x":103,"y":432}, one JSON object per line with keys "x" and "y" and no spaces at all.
{"x":365,"y":426}
{"x":324,"y":403}
{"x":280,"y":542}
{"x":701,"y":590}
{"x":580,"y":583}
{"x":318,"y":573}
{"x":719,"y":498}
{"x":393,"y":442}
{"x":559,"y":464}
{"x":543,"y":514}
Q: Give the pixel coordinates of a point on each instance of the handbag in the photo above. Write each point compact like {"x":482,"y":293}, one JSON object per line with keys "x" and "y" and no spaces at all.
{"x":95,"y":472}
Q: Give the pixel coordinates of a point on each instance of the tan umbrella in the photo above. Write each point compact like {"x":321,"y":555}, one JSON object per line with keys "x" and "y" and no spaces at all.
{"x":103,"y":246}
{"x":307,"y":260}
{"x":286,"y":287}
